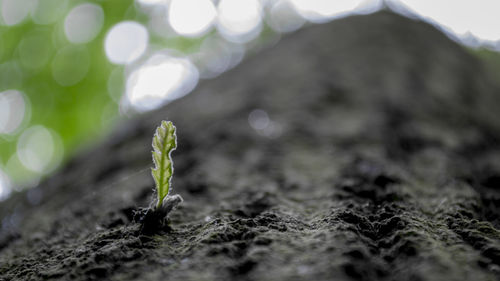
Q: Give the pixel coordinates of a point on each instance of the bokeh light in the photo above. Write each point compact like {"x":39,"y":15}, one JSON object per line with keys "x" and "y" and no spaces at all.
{"x":319,"y":11}
{"x":39,"y":149}
{"x":126,"y":42}
{"x":48,"y":11}
{"x":11,"y":75}
{"x":258,"y":119}
{"x":283,"y":17}
{"x":162,"y":78}
{"x":19,"y":176}
{"x":158,"y":24}
{"x":5,"y":185}
{"x":83,"y":23}
{"x":116,"y":84}
{"x":152,"y":2}
{"x":34,"y":49}
{"x":13,"y":111}
{"x":70,"y":65}
{"x":239,"y":21}
{"x":191,"y":18}
{"x":217,"y":55}
{"x":15,"y":11}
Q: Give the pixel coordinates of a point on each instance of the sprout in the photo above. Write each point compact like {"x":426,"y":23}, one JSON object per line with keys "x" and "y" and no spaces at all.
{"x":164,"y":142}
{"x":154,"y":218}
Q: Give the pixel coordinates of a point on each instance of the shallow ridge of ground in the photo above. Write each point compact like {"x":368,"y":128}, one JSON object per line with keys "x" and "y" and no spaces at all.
{"x":379,"y":161}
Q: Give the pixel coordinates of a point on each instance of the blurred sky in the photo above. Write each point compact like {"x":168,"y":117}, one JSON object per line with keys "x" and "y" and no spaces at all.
{"x":70,"y":68}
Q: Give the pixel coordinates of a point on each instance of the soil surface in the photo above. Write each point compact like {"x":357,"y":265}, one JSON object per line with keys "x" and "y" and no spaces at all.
{"x":363,"y":149}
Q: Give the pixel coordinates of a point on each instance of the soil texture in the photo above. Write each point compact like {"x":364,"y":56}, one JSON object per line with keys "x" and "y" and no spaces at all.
{"x":363,"y":149}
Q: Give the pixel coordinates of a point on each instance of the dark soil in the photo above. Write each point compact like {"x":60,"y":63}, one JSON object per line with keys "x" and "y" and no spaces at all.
{"x":381,"y":162}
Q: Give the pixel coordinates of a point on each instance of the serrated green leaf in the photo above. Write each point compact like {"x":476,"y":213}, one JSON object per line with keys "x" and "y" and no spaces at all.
{"x":164,"y":142}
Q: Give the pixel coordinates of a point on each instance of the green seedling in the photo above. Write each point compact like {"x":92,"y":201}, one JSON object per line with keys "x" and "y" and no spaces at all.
{"x":164,"y":142}
{"x":154,"y":218}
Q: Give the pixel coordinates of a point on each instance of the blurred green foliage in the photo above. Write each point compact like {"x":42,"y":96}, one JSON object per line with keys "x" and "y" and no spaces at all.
{"x":32,"y":55}
{"x":75,"y":112}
